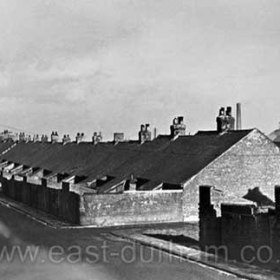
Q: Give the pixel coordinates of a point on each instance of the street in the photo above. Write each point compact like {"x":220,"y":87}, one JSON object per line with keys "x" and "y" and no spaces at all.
{"x":30,"y":250}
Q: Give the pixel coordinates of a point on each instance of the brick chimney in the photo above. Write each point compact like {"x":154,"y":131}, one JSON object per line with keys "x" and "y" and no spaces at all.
{"x":118,"y":137}
{"x":36,"y":138}
{"x":79,"y":137}
{"x":54,"y":137}
{"x":22,"y":137}
{"x":144,"y":134}
{"x":221,"y":123}
{"x":230,"y":119}
{"x":44,"y":138}
{"x":66,"y":139}
{"x":178,"y":127}
{"x":225,"y":120}
{"x":96,"y":138}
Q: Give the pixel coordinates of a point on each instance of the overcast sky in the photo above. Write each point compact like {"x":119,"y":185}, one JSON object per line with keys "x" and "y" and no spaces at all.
{"x":110,"y":65}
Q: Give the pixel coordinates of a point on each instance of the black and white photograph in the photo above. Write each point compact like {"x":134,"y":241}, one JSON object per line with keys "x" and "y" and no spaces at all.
{"x":139,"y":139}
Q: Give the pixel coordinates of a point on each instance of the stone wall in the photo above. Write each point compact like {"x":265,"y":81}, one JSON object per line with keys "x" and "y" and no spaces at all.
{"x":131,"y":208}
{"x":252,"y":162}
{"x":91,"y":209}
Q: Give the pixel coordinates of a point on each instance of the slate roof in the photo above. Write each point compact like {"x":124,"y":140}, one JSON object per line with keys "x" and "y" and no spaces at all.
{"x":182,"y":158}
{"x":162,"y":160}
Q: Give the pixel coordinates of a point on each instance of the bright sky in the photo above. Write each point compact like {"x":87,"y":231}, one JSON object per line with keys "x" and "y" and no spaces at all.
{"x":110,"y":65}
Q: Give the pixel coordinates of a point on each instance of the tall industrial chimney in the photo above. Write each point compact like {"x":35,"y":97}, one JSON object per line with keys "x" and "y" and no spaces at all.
{"x":238,"y":116}
{"x":155,"y":133}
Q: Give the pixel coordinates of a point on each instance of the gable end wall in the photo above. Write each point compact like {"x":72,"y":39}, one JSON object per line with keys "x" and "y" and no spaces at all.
{"x":252,"y":162}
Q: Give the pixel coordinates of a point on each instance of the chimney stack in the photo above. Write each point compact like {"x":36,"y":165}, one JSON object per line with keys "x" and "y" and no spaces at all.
{"x":44,"y":138}
{"x":36,"y":138}
{"x":221,"y":120}
{"x":28,"y":138}
{"x":54,"y":137}
{"x":79,"y":137}
{"x":238,"y":116}
{"x":144,"y":133}
{"x":118,"y":137}
{"x":230,"y":119}
{"x":22,"y":137}
{"x":225,"y":120}
{"x":66,"y":139}
{"x":96,"y":138}
{"x":178,"y":127}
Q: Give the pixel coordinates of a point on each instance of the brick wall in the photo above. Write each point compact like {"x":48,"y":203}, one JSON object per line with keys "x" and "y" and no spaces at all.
{"x":98,"y":210}
{"x":131,"y":208}
{"x":252,"y":162}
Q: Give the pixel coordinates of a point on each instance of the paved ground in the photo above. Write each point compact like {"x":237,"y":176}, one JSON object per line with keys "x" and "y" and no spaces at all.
{"x":192,"y":252}
{"x":96,"y":255}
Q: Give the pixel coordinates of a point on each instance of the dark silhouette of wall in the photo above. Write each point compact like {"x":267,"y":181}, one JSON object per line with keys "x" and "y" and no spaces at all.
{"x":248,"y":232}
{"x":61,"y":203}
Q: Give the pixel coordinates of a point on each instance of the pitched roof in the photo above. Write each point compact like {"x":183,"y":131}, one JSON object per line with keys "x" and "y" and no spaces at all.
{"x":4,"y":146}
{"x":162,"y":160}
{"x":185,"y":156}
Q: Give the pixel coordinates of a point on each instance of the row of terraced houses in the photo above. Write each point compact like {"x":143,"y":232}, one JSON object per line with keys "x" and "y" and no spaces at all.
{"x":148,"y":180}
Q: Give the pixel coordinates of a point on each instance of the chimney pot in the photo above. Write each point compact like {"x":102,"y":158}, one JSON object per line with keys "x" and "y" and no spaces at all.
{"x":228,"y":112}
{"x":175,"y":121}
{"x":222,"y":111}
